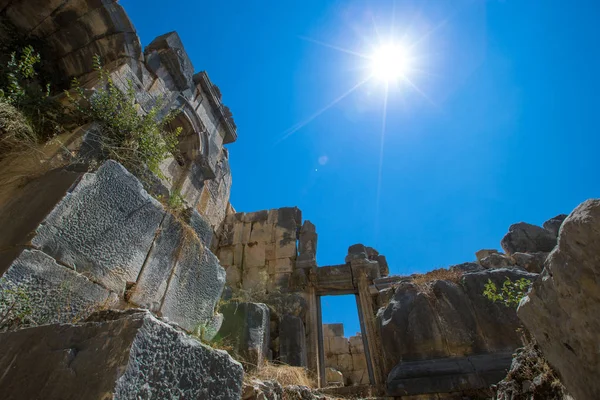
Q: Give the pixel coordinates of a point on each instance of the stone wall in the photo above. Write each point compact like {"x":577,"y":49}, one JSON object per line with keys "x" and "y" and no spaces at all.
{"x":258,"y":250}
{"x":346,"y":355}
{"x":106,"y":243}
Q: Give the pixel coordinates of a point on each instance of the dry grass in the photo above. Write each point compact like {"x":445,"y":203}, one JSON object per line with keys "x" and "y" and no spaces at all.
{"x":438,"y":275}
{"x":284,"y":374}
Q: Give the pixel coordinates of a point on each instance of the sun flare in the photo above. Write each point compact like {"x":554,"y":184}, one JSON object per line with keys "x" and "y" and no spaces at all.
{"x":390,"y":62}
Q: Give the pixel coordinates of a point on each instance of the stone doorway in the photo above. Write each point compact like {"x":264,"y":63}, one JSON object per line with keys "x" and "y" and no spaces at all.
{"x":343,"y":348}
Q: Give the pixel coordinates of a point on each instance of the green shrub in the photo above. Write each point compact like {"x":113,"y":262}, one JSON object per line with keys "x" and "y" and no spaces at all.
{"x":511,"y":292}
{"x":127,"y":136}
{"x":20,"y":87}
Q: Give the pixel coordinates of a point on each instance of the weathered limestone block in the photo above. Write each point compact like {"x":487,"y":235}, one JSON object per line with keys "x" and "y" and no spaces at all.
{"x":103,"y":228}
{"x":483,"y":253}
{"x":338,"y":345}
{"x":167,"y":52}
{"x":195,"y":286}
{"x":527,"y":238}
{"x":261,"y":232}
{"x":292,"y":341}
{"x":131,"y":355}
{"x":344,"y":362}
{"x":359,"y":361}
{"x":280,"y":265}
{"x":54,"y":293}
{"x":356,"y":344}
{"x":562,"y":308}
{"x":447,"y":375}
{"x":279,"y":282}
{"x":254,"y":256}
{"x":307,"y":245}
{"x":201,"y":226}
{"x":496,"y":260}
{"x":532,"y":262}
{"x":332,"y":330}
{"x":553,"y":224}
{"x":246,"y":326}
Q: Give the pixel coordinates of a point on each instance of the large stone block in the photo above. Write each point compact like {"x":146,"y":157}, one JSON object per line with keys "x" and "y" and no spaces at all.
{"x":246,"y":326}
{"x":344,"y":362}
{"x":103,"y":228}
{"x":254,"y":255}
{"x":129,"y":355}
{"x":54,"y":293}
{"x":562,"y":308}
{"x":195,"y":286}
{"x":359,"y":361}
{"x":292,"y":341}
{"x":527,"y":238}
{"x":261,"y":232}
{"x":331,"y":330}
{"x":338,"y":345}
{"x":356,"y":344}
{"x":447,"y":375}
{"x":152,"y":283}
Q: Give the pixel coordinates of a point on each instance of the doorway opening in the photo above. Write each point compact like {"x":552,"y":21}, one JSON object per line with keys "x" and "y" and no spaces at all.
{"x":343,"y":344}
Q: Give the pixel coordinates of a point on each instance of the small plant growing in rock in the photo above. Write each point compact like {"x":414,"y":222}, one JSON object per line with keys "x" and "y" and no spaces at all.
{"x":128,"y":136}
{"x":15,"y":306}
{"x":28,"y":114}
{"x":510,"y":294}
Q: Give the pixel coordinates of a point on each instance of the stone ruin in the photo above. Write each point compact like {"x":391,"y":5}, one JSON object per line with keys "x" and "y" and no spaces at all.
{"x":118,"y":282}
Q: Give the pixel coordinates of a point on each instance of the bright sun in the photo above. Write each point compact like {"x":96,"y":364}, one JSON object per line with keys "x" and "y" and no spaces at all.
{"x":390,"y":62}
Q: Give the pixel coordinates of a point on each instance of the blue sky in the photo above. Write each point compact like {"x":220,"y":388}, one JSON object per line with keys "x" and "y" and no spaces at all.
{"x":503,"y":126}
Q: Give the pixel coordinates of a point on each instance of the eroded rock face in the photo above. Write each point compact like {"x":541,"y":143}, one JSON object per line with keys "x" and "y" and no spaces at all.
{"x":563,"y":306}
{"x":449,"y":319}
{"x":527,"y":238}
{"x":129,"y":355}
{"x":553,"y":224}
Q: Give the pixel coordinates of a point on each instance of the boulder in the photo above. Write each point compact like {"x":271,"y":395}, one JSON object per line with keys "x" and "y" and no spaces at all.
{"x":553,"y":224}
{"x":128,"y":355}
{"x":532,"y":262}
{"x":481,"y":254}
{"x":246,"y":327}
{"x":448,"y":319}
{"x":527,"y":238}
{"x":495,"y":260}
{"x":292,"y":341}
{"x":562,"y":308}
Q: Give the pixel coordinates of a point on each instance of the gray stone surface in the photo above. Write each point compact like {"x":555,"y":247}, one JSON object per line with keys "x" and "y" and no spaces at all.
{"x":448,"y":374}
{"x":195,"y":285}
{"x":54,"y":293}
{"x":167,"y":51}
{"x":103,"y":228}
{"x":562,"y":308}
{"x":532,"y":262}
{"x":495,"y":260}
{"x":292,"y":341}
{"x":246,"y":327}
{"x":527,"y":238}
{"x":131,"y":357}
{"x":445,"y":319}
{"x":553,"y":224}
{"x":201,"y":226}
